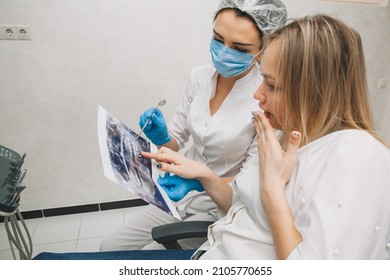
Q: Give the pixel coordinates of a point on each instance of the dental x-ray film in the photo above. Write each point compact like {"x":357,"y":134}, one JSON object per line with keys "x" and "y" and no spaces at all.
{"x":124,"y":165}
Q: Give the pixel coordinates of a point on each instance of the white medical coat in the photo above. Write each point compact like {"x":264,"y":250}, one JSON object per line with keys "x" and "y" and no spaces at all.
{"x":339,"y":195}
{"x":223,"y":141}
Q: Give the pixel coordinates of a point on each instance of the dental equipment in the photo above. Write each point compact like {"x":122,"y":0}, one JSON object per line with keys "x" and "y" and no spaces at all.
{"x":11,"y":177}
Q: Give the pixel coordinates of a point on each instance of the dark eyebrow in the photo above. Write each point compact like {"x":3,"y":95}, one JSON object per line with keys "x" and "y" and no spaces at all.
{"x":235,"y":43}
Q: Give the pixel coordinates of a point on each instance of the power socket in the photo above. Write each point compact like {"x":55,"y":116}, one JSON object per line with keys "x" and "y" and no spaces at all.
{"x":23,"y":32}
{"x":9,"y":32}
{"x":15,"y":32}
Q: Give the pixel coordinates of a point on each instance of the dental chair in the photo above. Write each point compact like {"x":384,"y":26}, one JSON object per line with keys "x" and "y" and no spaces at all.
{"x":168,"y":235}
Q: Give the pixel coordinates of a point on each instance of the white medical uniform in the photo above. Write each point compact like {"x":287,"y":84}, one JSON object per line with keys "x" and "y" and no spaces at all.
{"x":339,"y":195}
{"x":223,"y":142}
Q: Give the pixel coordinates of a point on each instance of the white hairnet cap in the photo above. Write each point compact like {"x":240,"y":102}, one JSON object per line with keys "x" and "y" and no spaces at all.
{"x":269,"y":15}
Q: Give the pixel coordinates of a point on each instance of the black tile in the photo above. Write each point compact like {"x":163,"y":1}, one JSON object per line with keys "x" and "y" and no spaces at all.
{"x":80,"y":209}
{"x":26,"y":215}
{"x":34,"y":214}
{"x":122,"y":204}
{"x":71,"y":210}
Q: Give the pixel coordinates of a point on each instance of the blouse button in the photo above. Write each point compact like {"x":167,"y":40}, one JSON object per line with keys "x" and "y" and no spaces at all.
{"x":336,"y":251}
{"x":340,"y":203}
{"x":303,"y":200}
{"x":388,"y":245}
{"x":206,"y":124}
{"x":377,"y":228}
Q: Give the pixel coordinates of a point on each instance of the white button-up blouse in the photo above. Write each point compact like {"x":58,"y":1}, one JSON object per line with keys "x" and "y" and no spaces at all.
{"x":339,"y":195}
{"x":223,"y":141}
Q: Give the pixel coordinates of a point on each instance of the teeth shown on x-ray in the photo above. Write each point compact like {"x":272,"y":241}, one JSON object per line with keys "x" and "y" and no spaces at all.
{"x":130,"y":169}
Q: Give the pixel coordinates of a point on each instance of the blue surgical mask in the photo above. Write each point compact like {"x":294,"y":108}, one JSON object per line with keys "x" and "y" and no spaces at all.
{"x":229,"y":62}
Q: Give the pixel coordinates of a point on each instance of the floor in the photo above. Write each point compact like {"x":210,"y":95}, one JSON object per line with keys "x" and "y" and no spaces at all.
{"x":70,"y":233}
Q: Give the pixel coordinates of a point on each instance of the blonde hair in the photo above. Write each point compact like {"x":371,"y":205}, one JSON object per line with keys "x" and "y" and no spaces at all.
{"x":321,"y":71}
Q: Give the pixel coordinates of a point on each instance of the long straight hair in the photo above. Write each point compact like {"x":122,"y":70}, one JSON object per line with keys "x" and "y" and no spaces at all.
{"x":321,"y":71}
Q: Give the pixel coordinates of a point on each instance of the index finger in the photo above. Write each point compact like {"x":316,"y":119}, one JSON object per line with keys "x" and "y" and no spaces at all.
{"x":266,"y":126}
{"x":160,"y":157}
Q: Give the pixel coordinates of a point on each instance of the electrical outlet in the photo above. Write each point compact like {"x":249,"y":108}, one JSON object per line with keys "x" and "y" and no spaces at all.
{"x":9,"y":32}
{"x":23,"y":32}
{"x":15,"y":32}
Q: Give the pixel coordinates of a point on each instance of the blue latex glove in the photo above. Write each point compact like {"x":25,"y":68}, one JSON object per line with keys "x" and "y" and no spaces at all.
{"x":156,"y":130}
{"x":177,"y":187}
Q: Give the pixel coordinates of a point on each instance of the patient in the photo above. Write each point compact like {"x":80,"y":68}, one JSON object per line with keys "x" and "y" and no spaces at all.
{"x":323,"y":190}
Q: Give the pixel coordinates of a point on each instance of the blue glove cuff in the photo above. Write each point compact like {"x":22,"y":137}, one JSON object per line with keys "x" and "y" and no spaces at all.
{"x":197,"y":185}
{"x":161,"y":141}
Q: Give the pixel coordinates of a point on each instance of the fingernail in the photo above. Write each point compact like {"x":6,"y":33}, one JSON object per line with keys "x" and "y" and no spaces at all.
{"x":253,"y":113}
{"x":253,"y":119}
{"x":159,"y":165}
{"x":295,"y":135}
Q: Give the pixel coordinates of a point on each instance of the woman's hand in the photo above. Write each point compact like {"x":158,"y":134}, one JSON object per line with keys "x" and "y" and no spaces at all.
{"x":276,"y":167}
{"x":177,"y":187}
{"x":173,"y":162}
{"x":156,"y":129}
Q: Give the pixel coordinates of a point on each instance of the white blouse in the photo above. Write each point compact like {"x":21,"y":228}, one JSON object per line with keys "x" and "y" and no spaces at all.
{"x":224,"y":141}
{"x":339,"y":195}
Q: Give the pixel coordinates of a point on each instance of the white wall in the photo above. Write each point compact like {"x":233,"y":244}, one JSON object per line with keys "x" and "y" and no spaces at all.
{"x":125,"y":55}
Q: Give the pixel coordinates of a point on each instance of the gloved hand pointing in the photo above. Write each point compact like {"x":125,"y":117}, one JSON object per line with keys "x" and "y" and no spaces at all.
{"x":177,"y":187}
{"x":156,"y":130}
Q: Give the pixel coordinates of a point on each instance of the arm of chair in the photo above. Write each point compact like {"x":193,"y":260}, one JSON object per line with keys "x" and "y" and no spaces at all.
{"x":169,"y":234}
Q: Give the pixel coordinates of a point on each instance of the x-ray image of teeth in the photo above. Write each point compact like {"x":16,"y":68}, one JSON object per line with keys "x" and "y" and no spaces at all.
{"x":126,"y":159}
{"x":123,"y":163}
